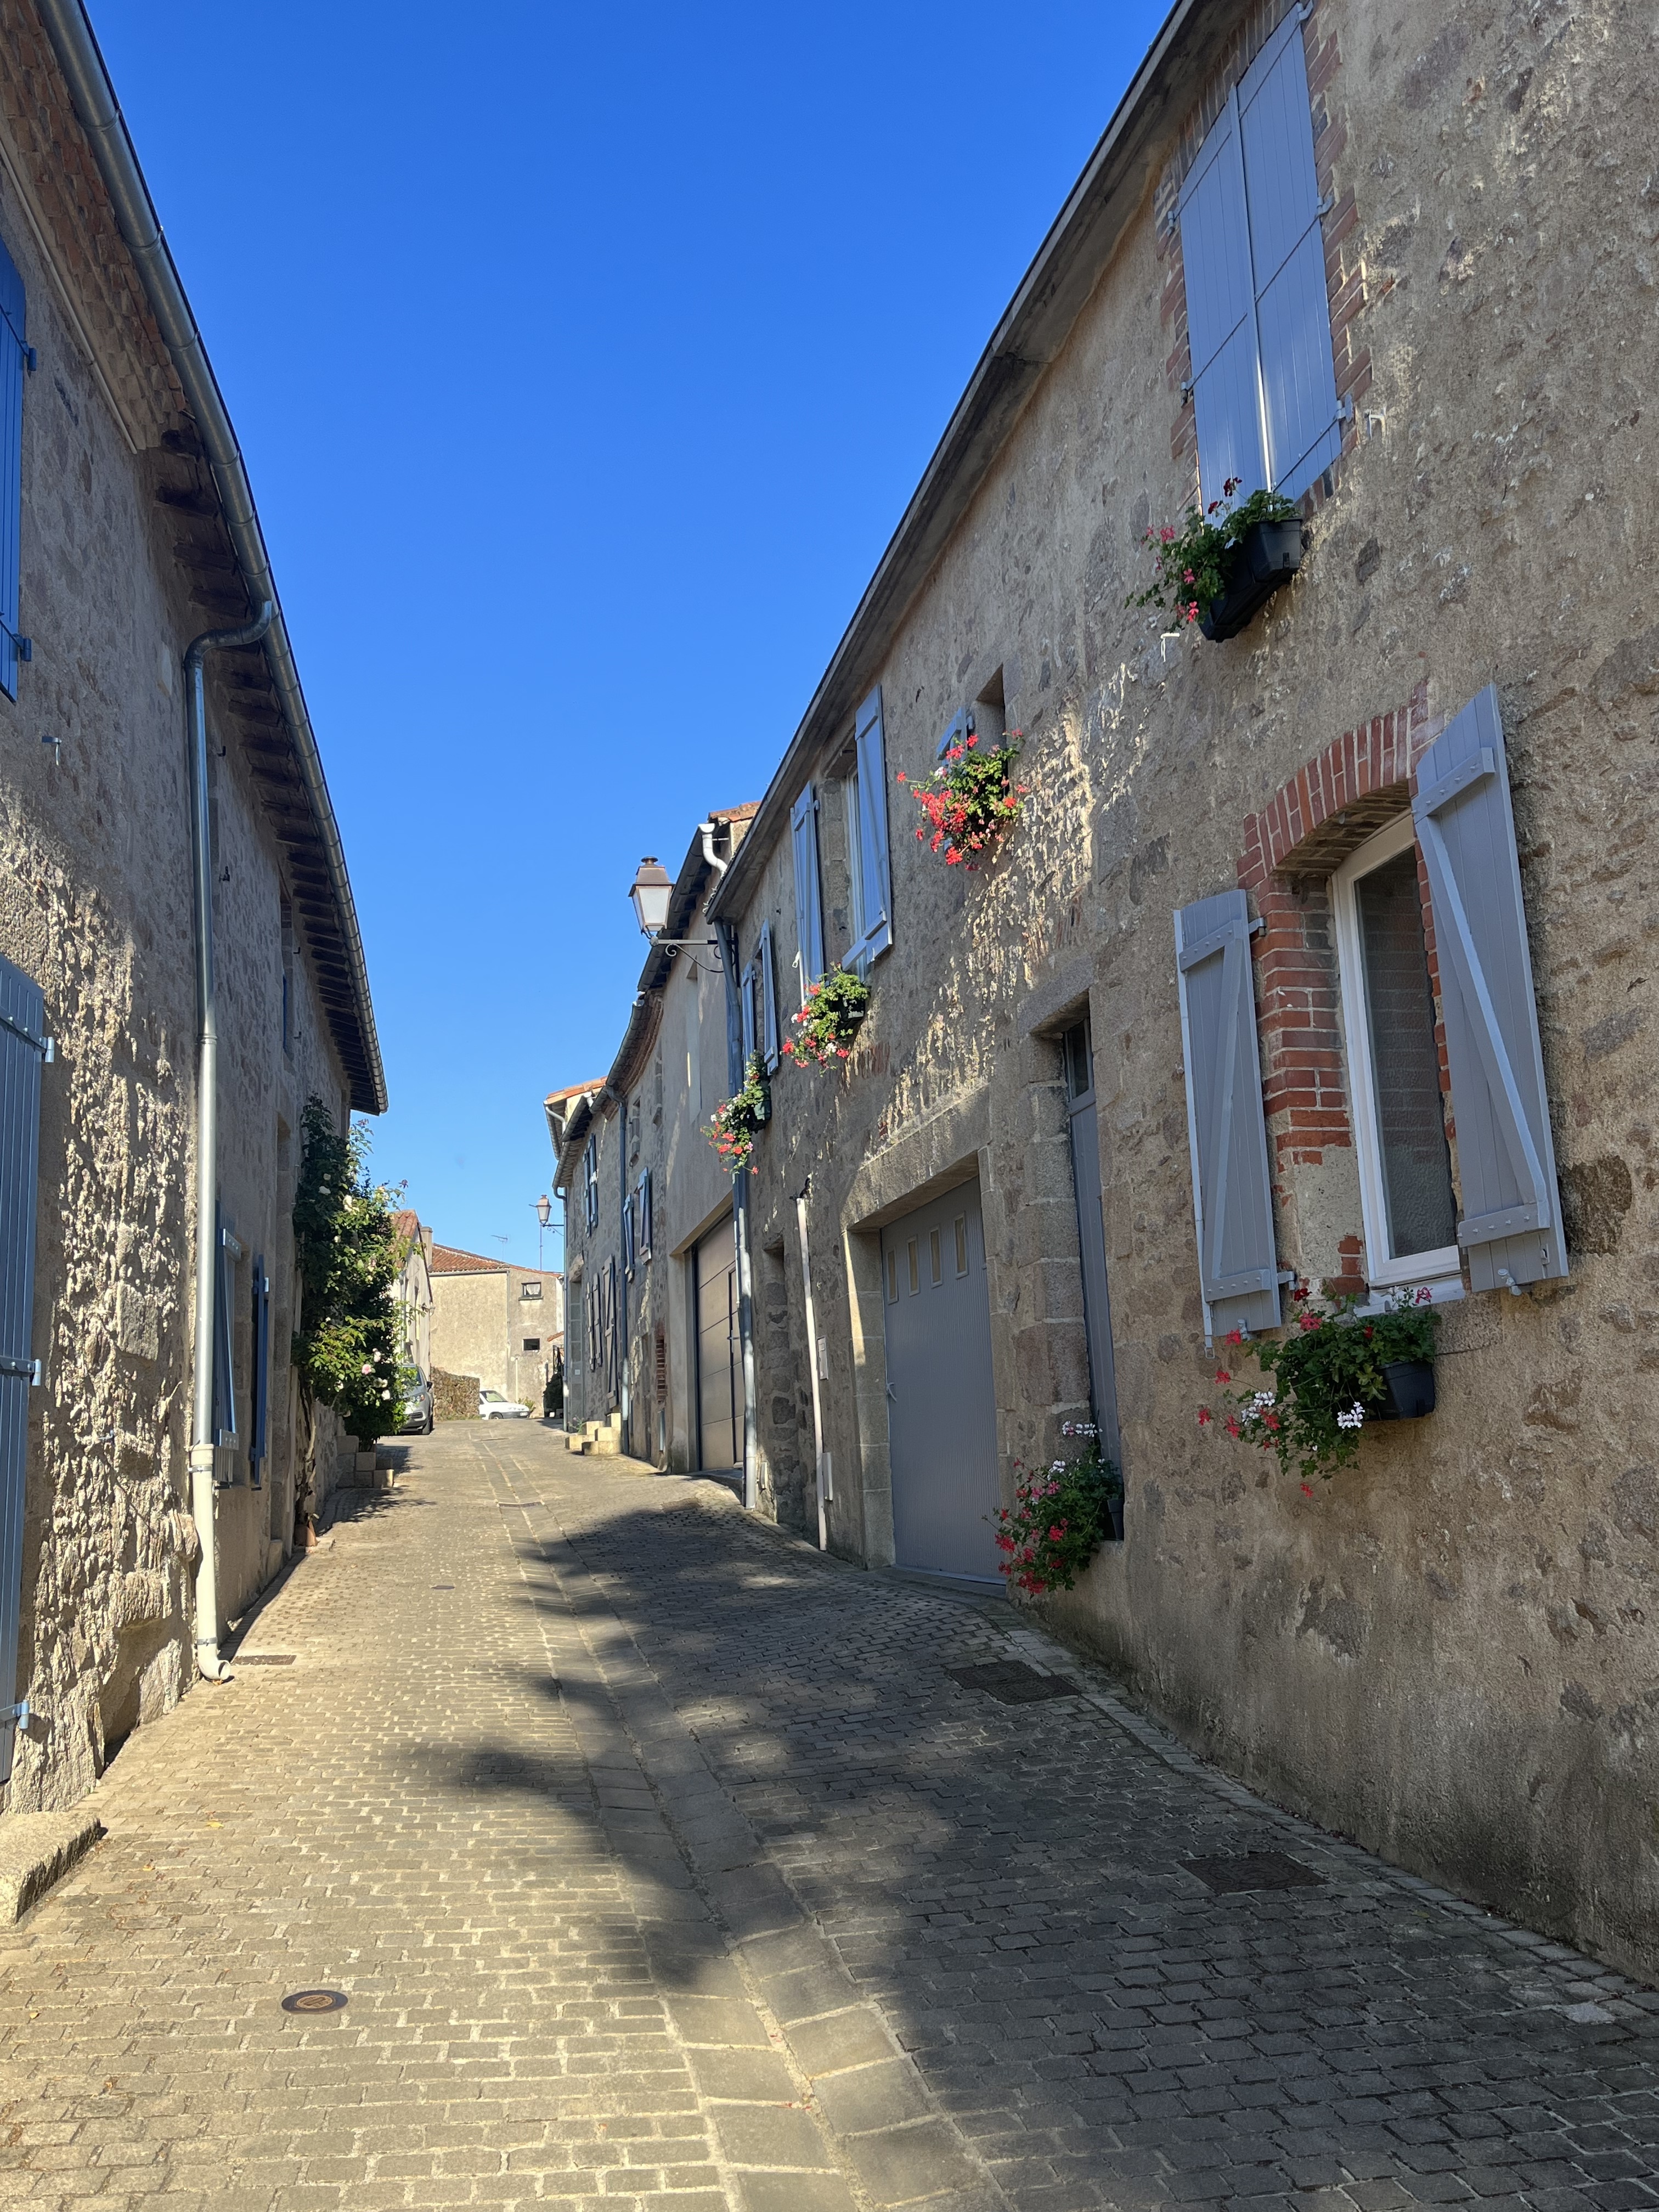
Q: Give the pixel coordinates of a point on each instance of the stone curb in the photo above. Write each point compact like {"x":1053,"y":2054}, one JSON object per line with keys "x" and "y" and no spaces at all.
{"x":36,"y":1850}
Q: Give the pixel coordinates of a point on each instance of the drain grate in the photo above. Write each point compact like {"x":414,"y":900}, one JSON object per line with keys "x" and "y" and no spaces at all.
{"x":1229,"y":1876}
{"x":264,"y":1659}
{"x":315,"y":2001}
{"x":1011,"y":1682}
{"x":443,"y":1585}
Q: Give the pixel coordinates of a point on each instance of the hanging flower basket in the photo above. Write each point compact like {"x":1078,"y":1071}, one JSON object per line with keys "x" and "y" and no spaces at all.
{"x":1334,"y":1374}
{"x":733,"y":1130}
{"x":827,"y":1024}
{"x":1222,"y":566}
{"x":970,"y":801}
{"x":1060,"y":1518}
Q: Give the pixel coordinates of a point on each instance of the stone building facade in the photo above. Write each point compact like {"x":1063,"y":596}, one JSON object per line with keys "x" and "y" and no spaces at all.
{"x":1399,"y":268}
{"x":504,"y":1325}
{"x":125,"y":530}
{"x":411,"y":1294}
{"x":653,"y":1342}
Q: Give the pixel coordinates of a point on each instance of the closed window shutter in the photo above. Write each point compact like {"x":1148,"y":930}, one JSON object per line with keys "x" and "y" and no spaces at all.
{"x":1215,"y":253}
{"x":809,"y":896}
{"x":747,"y":1006}
{"x":21,"y":1050}
{"x":260,"y":1422}
{"x":1511,"y":1223}
{"x":875,"y":902}
{"x":224,"y":1383}
{"x":768,"y":998}
{"x":1226,"y":1121}
{"x":1287,"y":257}
{"x":14,"y":358}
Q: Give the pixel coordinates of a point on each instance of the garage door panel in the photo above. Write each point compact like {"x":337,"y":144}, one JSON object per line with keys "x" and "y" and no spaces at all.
{"x":941,"y":1406}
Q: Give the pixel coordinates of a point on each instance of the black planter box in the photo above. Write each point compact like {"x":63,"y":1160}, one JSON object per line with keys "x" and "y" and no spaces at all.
{"x":1411,"y":1390}
{"x":1268,"y":555}
{"x":1114,"y":1521}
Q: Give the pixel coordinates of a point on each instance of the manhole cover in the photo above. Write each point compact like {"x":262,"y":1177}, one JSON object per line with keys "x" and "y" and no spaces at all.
{"x":1011,"y":1682}
{"x":264,"y":1659}
{"x":315,"y":2001}
{"x":1253,"y":1870}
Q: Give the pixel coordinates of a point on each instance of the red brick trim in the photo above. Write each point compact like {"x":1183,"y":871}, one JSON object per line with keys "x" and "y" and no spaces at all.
{"x":1307,"y":828}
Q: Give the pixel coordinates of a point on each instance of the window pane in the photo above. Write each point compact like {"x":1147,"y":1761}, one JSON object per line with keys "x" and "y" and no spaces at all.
{"x":1410,"y":1126}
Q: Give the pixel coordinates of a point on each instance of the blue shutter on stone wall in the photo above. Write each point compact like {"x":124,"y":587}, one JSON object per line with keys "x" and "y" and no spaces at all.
{"x":768,"y":1026}
{"x":809,"y":896}
{"x":15,"y":357}
{"x":227,"y":1251}
{"x":875,"y":885}
{"x":1226,"y":1120}
{"x":23,"y":1046}
{"x":1287,"y":256}
{"x":1215,"y":253}
{"x":1511,"y":1223}
{"x":259,"y":1418}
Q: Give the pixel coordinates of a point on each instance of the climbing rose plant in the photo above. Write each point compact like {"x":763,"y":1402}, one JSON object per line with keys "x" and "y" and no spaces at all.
{"x":348,"y":1250}
{"x":1192,"y":563}
{"x":969,"y":801}
{"x":827,"y":1024}
{"x":1325,"y":1379}
{"x":1059,"y":1518}
{"x":733,"y":1130}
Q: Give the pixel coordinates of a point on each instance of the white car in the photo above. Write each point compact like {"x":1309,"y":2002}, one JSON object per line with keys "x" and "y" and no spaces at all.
{"x":492,"y":1406}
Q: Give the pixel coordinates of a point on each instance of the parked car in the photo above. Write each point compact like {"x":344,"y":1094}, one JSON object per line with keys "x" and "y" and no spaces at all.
{"x":420,"y":1410}
{"x":492,"y":1406}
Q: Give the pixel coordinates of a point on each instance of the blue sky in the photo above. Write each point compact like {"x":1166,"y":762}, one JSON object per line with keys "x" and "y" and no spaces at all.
{"x":584,"y":361}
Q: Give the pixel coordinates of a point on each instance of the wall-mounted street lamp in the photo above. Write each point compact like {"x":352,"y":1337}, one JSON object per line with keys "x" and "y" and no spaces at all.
{"x":651,"y":890}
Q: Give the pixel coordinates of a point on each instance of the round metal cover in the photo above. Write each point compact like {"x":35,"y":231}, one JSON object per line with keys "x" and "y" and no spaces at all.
{"x":315,"y":2001}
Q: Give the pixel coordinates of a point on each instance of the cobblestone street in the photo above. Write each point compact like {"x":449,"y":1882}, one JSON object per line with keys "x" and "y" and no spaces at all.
{"x":663,"y":1863}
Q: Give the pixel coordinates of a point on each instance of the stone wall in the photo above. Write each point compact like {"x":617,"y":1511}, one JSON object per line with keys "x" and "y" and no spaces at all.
{"x":1447,"y":1650}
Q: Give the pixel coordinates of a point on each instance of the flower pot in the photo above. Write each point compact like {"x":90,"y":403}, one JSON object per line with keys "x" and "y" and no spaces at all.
{"x":1411,"y":1390}
{"x":1268,"y":555}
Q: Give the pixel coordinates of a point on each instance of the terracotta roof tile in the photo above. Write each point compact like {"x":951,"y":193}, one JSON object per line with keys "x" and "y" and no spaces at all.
{"x":447,"y":1259}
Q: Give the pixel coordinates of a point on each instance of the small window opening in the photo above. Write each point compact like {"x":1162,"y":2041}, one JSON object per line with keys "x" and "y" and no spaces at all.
{"x":961,"y":1226}
{"x":892,"y":1278}
{"x":935,"y":1260}
{"x":915,"y":1271}
{"x":533,"y":1343}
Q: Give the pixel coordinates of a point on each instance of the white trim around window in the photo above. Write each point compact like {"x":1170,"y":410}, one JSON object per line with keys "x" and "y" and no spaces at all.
{"x":1441,"y":1270}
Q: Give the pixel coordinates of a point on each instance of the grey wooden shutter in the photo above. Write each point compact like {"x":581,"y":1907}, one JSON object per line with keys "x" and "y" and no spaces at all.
{"x":1287,"y":260}
{"x":1221,"y":332}
{"x":809,"y":896}
{"x":1226,"y":1121}
{"x":259,"y":1421}
{"x":1511,"y":1224}
{"x":15,"y":357}
{"x":875,"y":887}
{"x":224,"y":1380}
{"x":768,"y":998}
{"x":23,"y":1046}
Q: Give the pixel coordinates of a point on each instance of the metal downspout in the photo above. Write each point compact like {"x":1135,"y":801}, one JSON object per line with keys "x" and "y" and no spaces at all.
{"x":728,"y":937}
{"x":202,"y":1499}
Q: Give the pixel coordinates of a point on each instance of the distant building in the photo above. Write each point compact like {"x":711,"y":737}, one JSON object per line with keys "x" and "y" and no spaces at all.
{"x":505,"y":1325}
{"x":411,"y":1294}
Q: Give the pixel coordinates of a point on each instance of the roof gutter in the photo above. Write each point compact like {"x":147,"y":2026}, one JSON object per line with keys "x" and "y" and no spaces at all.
{"x":101,"y":116}
{"x":1053,"y":293}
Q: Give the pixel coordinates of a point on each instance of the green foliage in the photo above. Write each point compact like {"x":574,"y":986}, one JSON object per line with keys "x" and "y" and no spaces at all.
{"x":970,"y":800}
{"x":1194,"y":561}
{"x":347,"y":1250}
{"x":1327,"y":1379}
{"x":836,"y":1005}
{"x":1059,"y":1518}
{"x":732,"y":1132}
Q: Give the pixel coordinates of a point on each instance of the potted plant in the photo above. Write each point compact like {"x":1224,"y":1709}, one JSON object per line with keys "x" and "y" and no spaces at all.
{"x":1332,"y":1374}
{"x":1060,"y":1518}
{"x":970,"y":800}
{"x":732,"y":1129}
{"x":827,"y":1024}
{"x":1223,"y":563}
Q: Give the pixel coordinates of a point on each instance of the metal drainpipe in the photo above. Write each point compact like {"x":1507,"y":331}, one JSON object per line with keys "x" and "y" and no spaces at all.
{"x":728,"y":937}
{"x":202,"y":1501}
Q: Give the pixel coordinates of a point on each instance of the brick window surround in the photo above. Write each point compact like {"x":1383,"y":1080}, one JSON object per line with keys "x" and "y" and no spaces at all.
{"x":1291,"y":850}
{"x":1344,"y":283}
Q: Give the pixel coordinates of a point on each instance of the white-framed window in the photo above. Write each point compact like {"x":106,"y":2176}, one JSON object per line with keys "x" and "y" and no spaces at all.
{"x":766,"y":1028}
{"x":1409,"y":1208}
{"x":748,"y":1006}
{"x":644,"y":1201}
{"x":591,"y":1181}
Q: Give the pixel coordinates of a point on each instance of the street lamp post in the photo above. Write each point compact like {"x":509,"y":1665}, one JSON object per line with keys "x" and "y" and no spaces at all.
{"x":544,"y":1215}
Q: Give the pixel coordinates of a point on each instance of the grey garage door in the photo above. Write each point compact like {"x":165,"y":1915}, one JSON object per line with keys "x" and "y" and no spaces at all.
{"x":941,"y":1408}
{"x":720,"y":1384}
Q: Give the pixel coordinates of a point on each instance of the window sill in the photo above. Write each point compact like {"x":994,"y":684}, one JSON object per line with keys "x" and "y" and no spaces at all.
{"x":1444,"y":1290}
